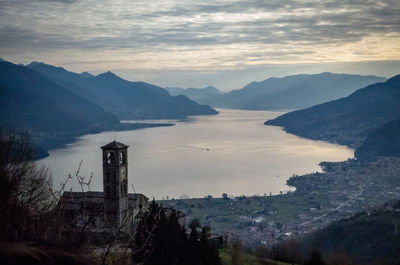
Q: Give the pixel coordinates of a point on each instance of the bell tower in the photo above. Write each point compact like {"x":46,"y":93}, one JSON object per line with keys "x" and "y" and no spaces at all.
{"x":115,"y":183}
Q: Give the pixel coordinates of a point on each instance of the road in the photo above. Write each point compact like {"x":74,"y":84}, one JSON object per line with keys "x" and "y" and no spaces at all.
{"x":351,"y":198}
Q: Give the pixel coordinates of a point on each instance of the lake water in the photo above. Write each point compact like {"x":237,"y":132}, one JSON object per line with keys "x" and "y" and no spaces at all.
{"x":233,"y":153}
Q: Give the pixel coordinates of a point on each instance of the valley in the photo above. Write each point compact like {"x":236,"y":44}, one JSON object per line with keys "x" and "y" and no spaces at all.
{"x":342,"y":190}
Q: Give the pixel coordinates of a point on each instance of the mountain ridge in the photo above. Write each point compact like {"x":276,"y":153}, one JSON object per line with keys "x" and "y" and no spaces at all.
{"x":50,"y":113}
{"x":348,"y":120}
{"x":200,"y":95}
{"x":385,"y":141}
{"x":86,"y":74}
{"x":126,"y":99}
{"x":284,"y":93}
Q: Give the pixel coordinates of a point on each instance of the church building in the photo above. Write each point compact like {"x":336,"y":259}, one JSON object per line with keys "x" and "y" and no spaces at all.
{"x":115,"y":207}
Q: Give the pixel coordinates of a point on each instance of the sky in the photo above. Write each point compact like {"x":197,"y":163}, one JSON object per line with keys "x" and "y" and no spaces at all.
{"x":191,"y":43}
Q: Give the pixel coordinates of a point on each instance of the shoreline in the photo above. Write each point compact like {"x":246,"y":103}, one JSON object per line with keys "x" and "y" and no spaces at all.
{"x":64,"y":140}
{"x":343,"y":189}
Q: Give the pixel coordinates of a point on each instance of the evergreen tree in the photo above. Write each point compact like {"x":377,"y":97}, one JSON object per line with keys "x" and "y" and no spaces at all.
{"x":316,"y":259}
{"x":161,"y":240}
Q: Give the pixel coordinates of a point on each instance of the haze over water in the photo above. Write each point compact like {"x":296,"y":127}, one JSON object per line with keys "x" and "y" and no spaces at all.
{"x":232,"y":153}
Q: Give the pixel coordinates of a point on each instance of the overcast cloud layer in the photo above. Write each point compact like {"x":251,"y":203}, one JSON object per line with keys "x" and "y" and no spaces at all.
{"x":215,"y":35}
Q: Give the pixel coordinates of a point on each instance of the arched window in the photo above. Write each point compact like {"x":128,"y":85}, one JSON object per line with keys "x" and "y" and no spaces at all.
{"x":122,"y":158}
{"x":110,"y":157}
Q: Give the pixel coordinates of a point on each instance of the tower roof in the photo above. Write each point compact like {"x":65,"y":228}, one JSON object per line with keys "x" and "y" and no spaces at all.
{"x":114,"y":145}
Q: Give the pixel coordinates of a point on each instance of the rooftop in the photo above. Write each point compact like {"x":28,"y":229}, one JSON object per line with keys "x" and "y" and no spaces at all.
{"x":114,"y":145}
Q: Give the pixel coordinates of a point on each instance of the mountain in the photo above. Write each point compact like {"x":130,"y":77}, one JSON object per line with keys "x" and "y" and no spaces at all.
{"x":127,"y":100}
{"x":86,"y":74}
{"x":33,"y":103}
{"x":175,"y":91}
{"x":30,"y":100}
{"x":293,"y":92}
{"x":368,"y":236}
{"x":200,"y":95}
{"x":385,"y":141}
{"x":348,"y":120}
{"x":50,"y":113}
{"x":2,"y":60}
{"x":72,"y":81}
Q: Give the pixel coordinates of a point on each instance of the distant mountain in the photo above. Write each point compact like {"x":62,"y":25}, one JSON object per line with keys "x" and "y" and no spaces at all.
{"x":293,"y":92}
{"x":385,"y":141}
{"x":127,"y":100}
{"x":347,"y":120}
{"x":368,"y":236}
{"x":86,"y":74}
{"x":175,"y":91}
{"x":200,"y":95}
{"x":2,"y":60}
{"x":49,"y":112}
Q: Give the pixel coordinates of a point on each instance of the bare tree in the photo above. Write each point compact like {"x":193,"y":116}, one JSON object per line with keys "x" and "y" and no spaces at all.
{"x":24,"y":195}
{"x":32,"y":208}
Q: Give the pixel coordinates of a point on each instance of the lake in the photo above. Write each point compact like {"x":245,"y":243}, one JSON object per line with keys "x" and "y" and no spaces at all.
{"x":233,"y":153}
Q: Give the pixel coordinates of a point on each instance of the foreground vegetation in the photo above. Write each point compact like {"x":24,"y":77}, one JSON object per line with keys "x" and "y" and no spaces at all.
{"x":35,"y":230}
{"x":244,"y":258}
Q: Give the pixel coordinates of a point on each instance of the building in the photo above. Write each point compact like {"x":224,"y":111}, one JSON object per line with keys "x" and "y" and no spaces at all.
{"x":114,"y":207}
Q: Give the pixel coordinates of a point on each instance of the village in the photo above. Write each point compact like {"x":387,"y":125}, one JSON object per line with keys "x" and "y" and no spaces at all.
{"x":343,"y":189}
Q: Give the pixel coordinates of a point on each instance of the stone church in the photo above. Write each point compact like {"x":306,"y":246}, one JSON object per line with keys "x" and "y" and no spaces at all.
{"x":115,"y":207}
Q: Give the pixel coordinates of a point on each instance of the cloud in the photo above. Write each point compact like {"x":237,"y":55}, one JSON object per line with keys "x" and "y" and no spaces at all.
{"x":219,"y":33}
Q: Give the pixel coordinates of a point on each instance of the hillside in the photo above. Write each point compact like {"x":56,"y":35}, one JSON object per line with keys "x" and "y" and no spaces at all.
{"x":348,"y":120}
{"x":31,"y":101}
{"x":200,"y":95}
{"x":127,"y":100}
{"x":247,"y":259}
{"x":385,"y":141}
{"x":368,"y":236}
{"x":50,"y":113}
{"x":293,"y":92}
